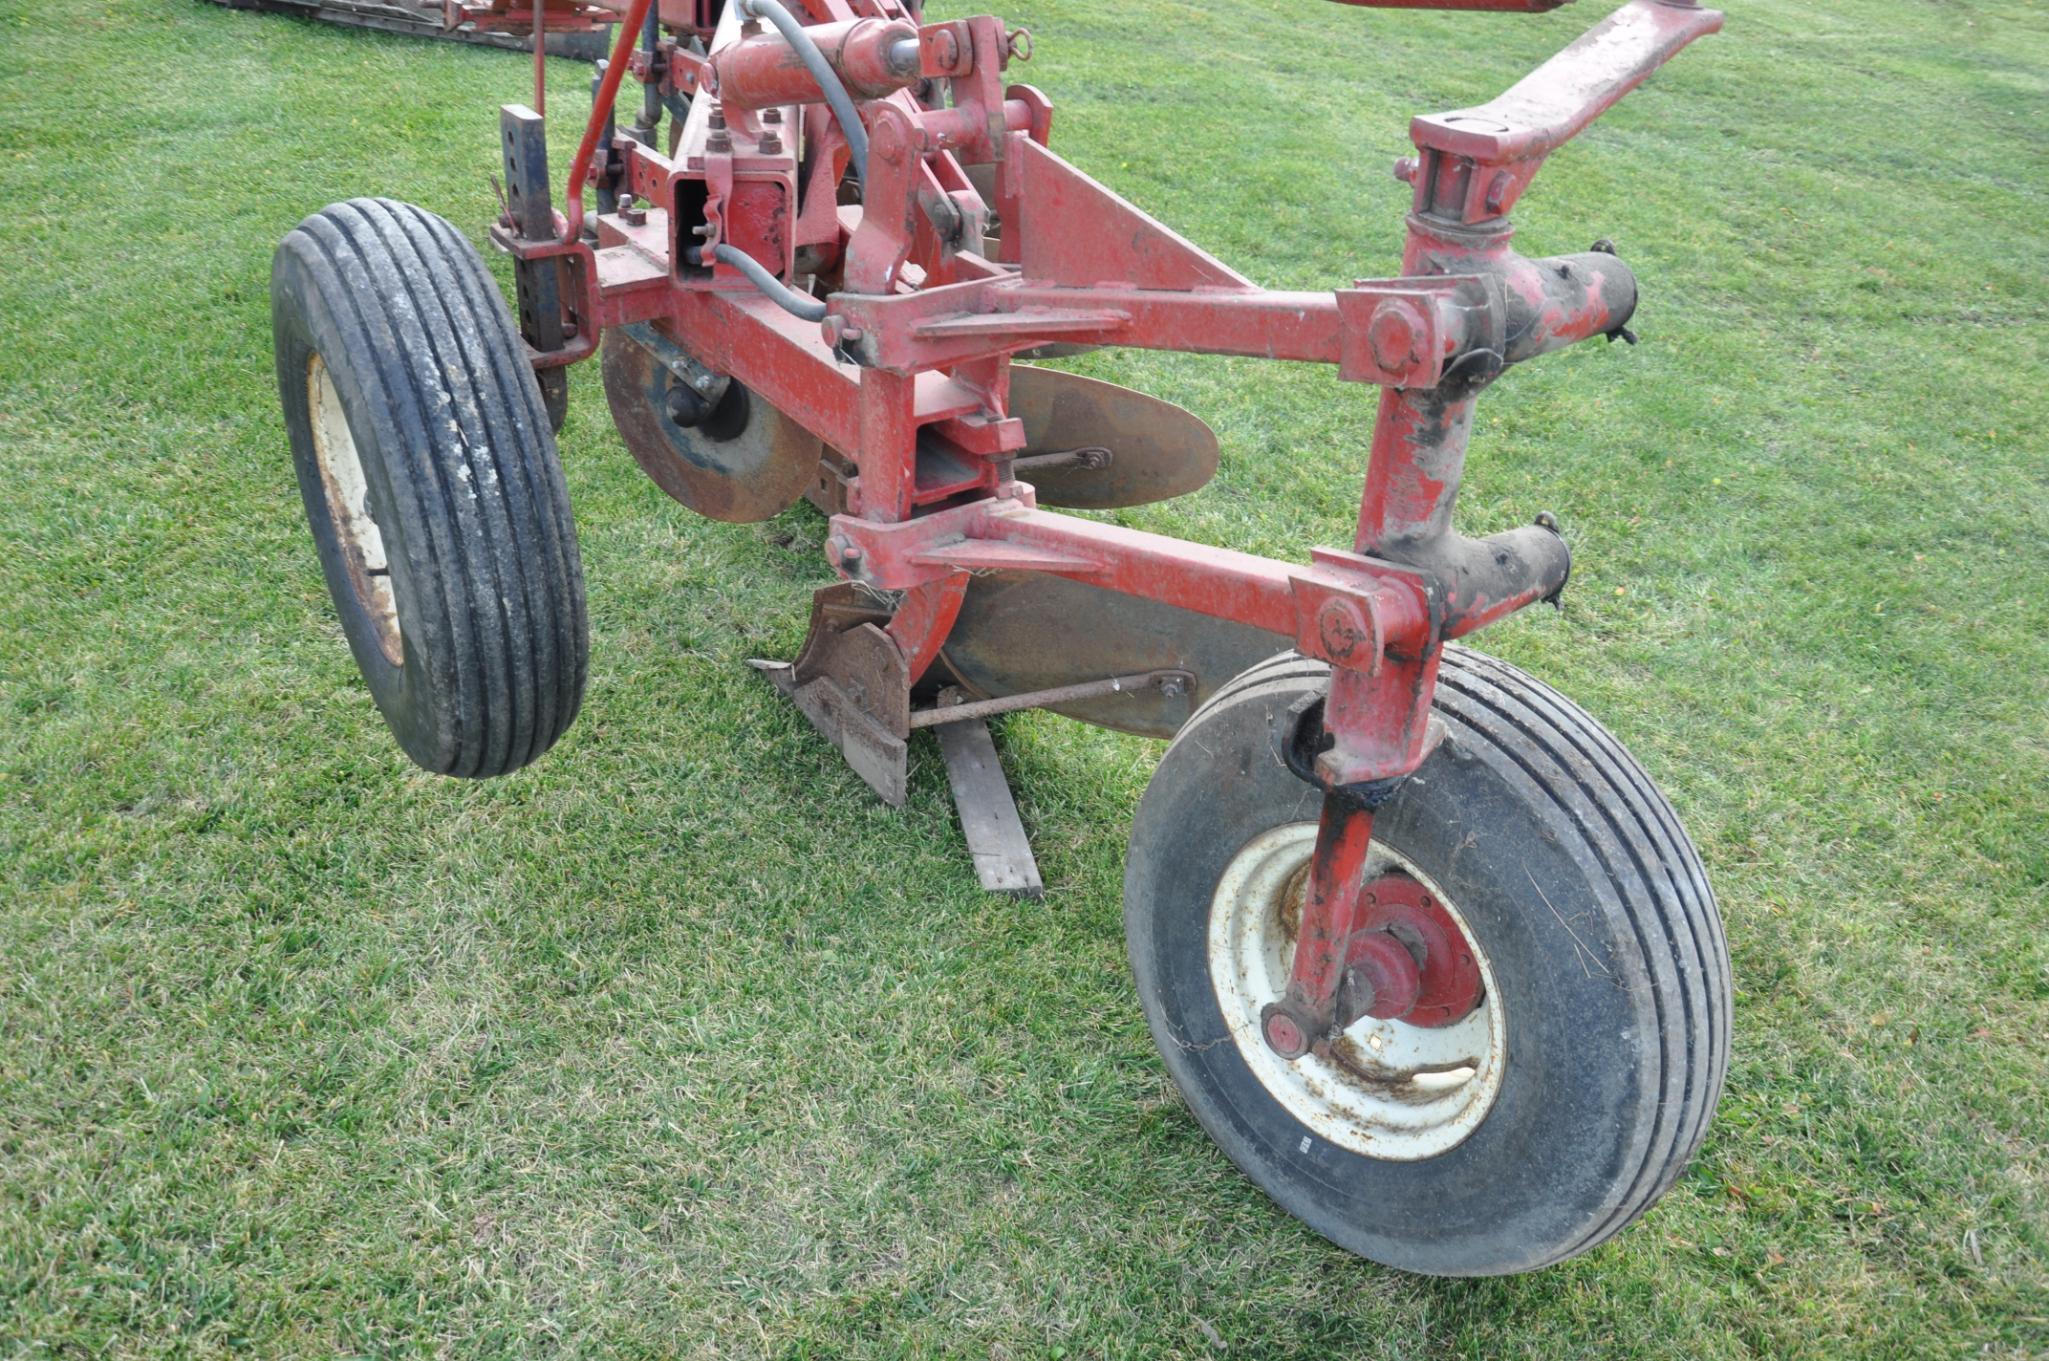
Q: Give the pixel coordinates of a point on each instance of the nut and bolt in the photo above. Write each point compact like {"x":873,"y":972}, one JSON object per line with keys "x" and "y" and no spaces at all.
{"x":770,"y":144}
{"x":1405,"y":168}
{"x":630,"y":209}
{"x":719,"y":141}
{"x":771,"y":115}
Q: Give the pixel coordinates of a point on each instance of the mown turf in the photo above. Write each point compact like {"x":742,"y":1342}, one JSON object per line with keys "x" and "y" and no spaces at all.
{"x":680,"y":1043}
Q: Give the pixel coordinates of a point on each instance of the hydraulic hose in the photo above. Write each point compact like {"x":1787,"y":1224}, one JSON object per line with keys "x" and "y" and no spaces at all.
{"x":836,"y":97}
{"x":795,"y":303}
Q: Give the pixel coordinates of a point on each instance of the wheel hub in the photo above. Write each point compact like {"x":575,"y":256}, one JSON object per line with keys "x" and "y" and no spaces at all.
{"x":1415,"y":1057}
{"x":1407,"y":961}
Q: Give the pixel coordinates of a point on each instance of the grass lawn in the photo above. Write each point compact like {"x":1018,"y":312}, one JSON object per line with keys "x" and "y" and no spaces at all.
{"x":679,"y":1042}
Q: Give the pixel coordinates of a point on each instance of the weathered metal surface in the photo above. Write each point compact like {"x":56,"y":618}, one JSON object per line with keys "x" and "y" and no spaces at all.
{"x":1438,"y":976}
{"x":849,"y":681}
{"x":1149,"y":450}
{"x":955,"y":707}
{"x":739,"y":459}
{"x":909,"y":378}
{"x":1023,"y":631}
{"x":988,"y":812}
{"x":538,"y":285}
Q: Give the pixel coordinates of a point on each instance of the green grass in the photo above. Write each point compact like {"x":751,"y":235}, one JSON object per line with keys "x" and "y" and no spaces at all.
{"x":681,"y":1043}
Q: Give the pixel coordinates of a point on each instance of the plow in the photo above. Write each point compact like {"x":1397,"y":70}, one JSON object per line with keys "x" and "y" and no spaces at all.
{"x":1423,"y":947}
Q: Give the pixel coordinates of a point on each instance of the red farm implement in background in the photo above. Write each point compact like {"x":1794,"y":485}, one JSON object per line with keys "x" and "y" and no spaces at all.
{"x":1425,"y":950}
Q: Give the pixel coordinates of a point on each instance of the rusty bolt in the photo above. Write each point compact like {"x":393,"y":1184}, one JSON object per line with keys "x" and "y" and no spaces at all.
{"x":1405,"y":168}
{"x":717,"y":121}
{"x":771,"y":115}
{"x":1345,"y":633}
{"x":634,"y":214}
{"x":1341,"y":630}
{"x":1173,"y":687}
{"x":770,"y":144}
{"x":946,"y":49}
{"x":720,"y":140}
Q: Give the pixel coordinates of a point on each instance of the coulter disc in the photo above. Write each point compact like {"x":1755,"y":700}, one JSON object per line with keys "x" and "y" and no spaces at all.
{"x":736,"y":459}
{"x":1091,"y":445}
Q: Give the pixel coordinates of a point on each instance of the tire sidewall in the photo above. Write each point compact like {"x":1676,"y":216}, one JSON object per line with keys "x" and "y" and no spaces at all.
{"x":407,"y":694}
{"x":1561,"y":1143}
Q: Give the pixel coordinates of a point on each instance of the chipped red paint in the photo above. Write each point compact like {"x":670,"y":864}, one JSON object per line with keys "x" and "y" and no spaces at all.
{"x":907,"y":377}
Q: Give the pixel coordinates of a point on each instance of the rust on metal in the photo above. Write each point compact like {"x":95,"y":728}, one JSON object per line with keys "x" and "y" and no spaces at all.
{"x":867,"y":336}
{"x":733,"y":458}
{"x":1120,"y":448}
{"x":1021,"y":632}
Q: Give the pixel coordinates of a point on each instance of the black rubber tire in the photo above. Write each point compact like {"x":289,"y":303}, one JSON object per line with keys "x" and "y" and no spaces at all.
{"x":1529,"y":815}
{"x":463,"y":484}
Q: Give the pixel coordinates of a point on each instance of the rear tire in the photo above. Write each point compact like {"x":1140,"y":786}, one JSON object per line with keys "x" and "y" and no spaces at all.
{"x":431,"y":483}
{"x":1599,"y":1049}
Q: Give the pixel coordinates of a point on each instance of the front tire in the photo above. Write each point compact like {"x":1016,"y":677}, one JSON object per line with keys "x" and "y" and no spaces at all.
{"x":431,"y":483}
{"x":1547,"y":1120}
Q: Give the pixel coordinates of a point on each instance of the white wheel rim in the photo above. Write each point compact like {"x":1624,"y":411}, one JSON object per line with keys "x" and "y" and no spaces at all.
{"x":348,"y":507}
{"x":1389,"y":1090}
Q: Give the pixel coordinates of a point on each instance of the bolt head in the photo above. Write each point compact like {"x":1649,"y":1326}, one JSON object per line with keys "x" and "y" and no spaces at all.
{"x":1341,"y":630}
{"x":1391,"y":334}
